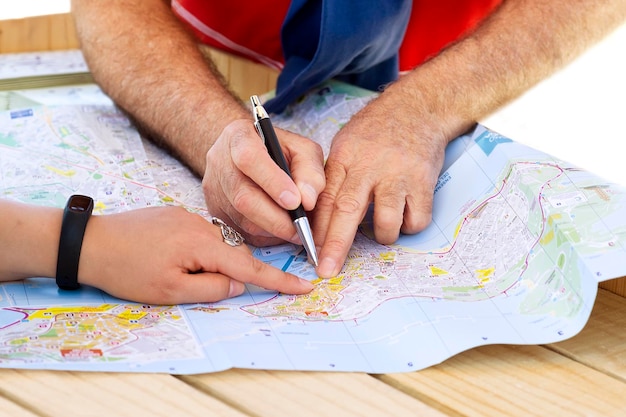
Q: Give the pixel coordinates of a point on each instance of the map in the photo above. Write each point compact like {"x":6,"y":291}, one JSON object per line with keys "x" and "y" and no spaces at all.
{"x":517,"y":246}
{"x":40,"y":64}
{"x":43,"y":69}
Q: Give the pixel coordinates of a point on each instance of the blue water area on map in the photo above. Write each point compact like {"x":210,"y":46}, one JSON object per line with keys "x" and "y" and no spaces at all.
{"x":39,"y":291}
{"x":488,"y":141}
{"x":9,"y":317}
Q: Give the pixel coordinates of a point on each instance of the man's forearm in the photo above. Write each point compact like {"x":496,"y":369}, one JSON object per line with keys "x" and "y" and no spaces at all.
{"x":523,"y":42}
{"x":151,"y":67}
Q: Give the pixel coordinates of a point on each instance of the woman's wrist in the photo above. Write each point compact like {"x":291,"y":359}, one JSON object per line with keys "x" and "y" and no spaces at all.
{"x":29,"y":237}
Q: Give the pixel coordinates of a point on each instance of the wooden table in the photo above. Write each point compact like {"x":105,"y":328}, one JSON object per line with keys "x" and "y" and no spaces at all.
{"x":585,"y":375}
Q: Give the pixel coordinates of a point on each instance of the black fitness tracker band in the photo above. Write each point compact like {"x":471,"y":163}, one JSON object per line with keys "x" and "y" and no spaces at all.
{"x":77,"y":211}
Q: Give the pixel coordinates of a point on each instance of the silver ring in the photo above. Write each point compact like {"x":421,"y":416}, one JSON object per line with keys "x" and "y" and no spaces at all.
{"x":230,"y":235}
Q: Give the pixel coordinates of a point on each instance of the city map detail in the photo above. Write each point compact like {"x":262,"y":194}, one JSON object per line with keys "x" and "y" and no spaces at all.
{"x":517,"y":246}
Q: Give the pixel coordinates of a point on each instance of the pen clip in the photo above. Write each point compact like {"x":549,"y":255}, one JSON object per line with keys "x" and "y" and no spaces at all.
{"x":259,"y":113}
{"x":257,"y":126}
{"x":258,"y":110}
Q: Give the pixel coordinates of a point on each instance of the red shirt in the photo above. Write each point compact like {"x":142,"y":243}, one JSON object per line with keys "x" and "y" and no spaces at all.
{"x":235,"y":26}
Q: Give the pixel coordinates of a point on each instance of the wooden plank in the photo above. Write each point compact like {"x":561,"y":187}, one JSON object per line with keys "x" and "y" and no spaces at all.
{"x":602,"y":343}
{"x":504,"y":380}
{"x":244,"y":77}
{"x":248,"y":78}
{"x":11,"y":36}
{"x":57,"y":32}
{"x":584,"y":375}
{"x":56,"y":393}
{"x":616,"y":286}
{"x":221,"y":60}
{"x":62,"y":32}
{"x":40,"y":33}
{"x":10,"y":409}
{"x":36,"y":33}
{"x":303,"y":394}
{"x":24,"y":35}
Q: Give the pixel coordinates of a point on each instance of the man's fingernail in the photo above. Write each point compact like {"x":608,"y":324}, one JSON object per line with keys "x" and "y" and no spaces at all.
{"x":288,"y":199}
{"x":326,"y":267}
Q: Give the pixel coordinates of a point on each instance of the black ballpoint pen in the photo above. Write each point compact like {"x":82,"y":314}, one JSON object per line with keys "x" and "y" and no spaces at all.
{"x":263,"y":125}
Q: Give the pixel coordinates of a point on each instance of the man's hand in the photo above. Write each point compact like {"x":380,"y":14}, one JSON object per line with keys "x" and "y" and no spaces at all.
{"x":392,"y":151}
{"x":384,"y":155}
{"x":243,"y":184}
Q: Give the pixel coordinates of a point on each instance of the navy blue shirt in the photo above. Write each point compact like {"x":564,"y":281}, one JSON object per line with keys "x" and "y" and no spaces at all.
{"x":340,"y":39}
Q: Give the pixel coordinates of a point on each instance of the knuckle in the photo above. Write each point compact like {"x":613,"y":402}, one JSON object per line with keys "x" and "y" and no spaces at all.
{"x":325,"y":199}
{"x":412,"y":226}
{"x":418,"y":220}
{"x":255,"y":267}
{"x":235,"y":130}
{"x":244,"y":201}
{"x":348,"y":204}
{"x":166,"y":292}
{"x":236,"y":136}
{"x":336,"y":244}
{"x":206,"y":186}
{"x":243,"y":155}
{"x":314,"y":149}
{"x":388,"y":223}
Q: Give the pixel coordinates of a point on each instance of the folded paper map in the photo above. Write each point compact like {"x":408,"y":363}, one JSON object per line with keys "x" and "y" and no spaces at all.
{"x":517,"y":246}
